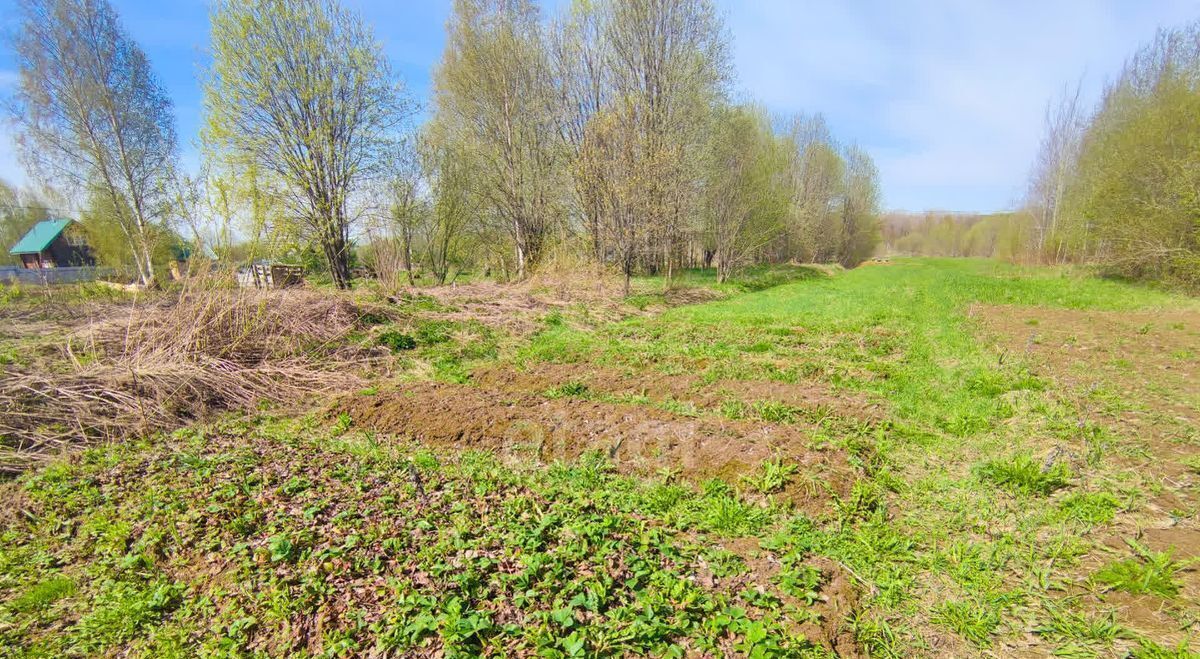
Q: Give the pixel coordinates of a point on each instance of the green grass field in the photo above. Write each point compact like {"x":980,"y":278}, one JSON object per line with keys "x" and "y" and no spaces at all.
{"x":1025,"y":483}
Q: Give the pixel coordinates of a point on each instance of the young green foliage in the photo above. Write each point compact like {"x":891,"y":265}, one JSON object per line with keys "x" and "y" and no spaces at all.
{"x":301,"y":94}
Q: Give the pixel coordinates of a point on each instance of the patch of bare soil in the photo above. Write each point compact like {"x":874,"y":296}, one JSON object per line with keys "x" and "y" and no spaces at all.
{"x":1138,"y":371}
{"x":1148,"y":615}
{"x":840,"y":600}
{"x":1183,"y":542}
{"x":1137,"y":374}
{"x":816,"y":399}
{"x":636,"y":438}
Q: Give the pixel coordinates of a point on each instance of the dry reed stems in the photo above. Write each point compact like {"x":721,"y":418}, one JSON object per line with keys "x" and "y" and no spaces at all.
{"x":208,"y":349}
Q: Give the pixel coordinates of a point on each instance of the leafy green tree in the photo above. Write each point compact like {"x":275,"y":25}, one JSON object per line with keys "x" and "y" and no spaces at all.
{"x":669,"y":66}
{"x":816,"y":170}
{"x":1136,"y":196}
{"x":493,"y":94}
{"x":1118,"y":187}
{"x":100,"y":222}
{"x":860,"y":230}
{"x":19,"y":211}
{"x":445,"y":229}
{"x":299,"y":91}
{"x":746,"y":188}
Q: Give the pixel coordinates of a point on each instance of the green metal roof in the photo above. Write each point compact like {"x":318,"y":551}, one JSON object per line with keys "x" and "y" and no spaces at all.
{"x":40,"y":236}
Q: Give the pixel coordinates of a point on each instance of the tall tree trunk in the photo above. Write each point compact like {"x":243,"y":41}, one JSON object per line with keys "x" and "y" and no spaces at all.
{"x":149,"y":256}
{"x":406,"y":250}
{"x":334,"y":246}
{"x":521,"y":258}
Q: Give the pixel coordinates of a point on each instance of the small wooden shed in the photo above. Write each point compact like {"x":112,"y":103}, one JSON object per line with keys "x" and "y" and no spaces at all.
{"x":55,"y":243}
{"x":270,"y":275}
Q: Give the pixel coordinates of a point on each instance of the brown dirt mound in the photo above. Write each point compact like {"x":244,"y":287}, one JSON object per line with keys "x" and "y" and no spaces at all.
{"x":637,"y":438}
{"x":839,"y":594}
{"x":812,"y":396}
{"x":840,"y":601}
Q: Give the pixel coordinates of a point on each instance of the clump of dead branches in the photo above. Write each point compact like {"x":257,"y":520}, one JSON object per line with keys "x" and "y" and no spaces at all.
{"x":202,"y":351}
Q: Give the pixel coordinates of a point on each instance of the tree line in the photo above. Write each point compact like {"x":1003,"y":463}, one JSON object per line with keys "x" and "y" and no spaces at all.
{"x":1118,"y":186}
{"x":611,"y":127}
{"x":607,"y":130}
{"x":1114,"y":186}
{"x":936,"y":233}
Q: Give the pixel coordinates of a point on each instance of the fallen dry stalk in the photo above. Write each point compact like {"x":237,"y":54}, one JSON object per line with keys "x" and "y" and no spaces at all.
{"x":208,"y":350}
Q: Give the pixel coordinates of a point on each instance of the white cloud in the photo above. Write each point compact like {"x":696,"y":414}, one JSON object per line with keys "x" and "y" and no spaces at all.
{"x":948,"y":96}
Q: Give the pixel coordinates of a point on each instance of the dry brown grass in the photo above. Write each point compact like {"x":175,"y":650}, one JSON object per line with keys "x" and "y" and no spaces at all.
{"x":208,"y":349}
{"x":571,"y":275}
{"x":562,"y":281}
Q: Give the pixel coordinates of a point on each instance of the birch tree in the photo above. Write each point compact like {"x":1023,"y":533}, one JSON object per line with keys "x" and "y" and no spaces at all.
{"x":1136,"y":197}
{"x":615,"y":170}
{"x":816,"y":170}
{"x":20,"y":209}
{"x":1056,"y":164}
{"x":584,"y":88}
{"x":445,"y":229}
{"x":860,"y":225}
{"x":92,"y":116}
{"x":669,"y":65}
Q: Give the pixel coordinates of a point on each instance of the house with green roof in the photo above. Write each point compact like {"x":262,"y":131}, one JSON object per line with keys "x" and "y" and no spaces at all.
{"x":53,"y":243}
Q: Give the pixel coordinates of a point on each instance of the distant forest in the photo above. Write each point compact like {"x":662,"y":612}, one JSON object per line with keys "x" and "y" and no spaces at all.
{"x":1117,"y":185}
{"x":936,"y":233}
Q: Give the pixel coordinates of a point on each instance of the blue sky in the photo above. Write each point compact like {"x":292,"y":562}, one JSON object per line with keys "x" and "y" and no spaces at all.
{"x":947,"y":95}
